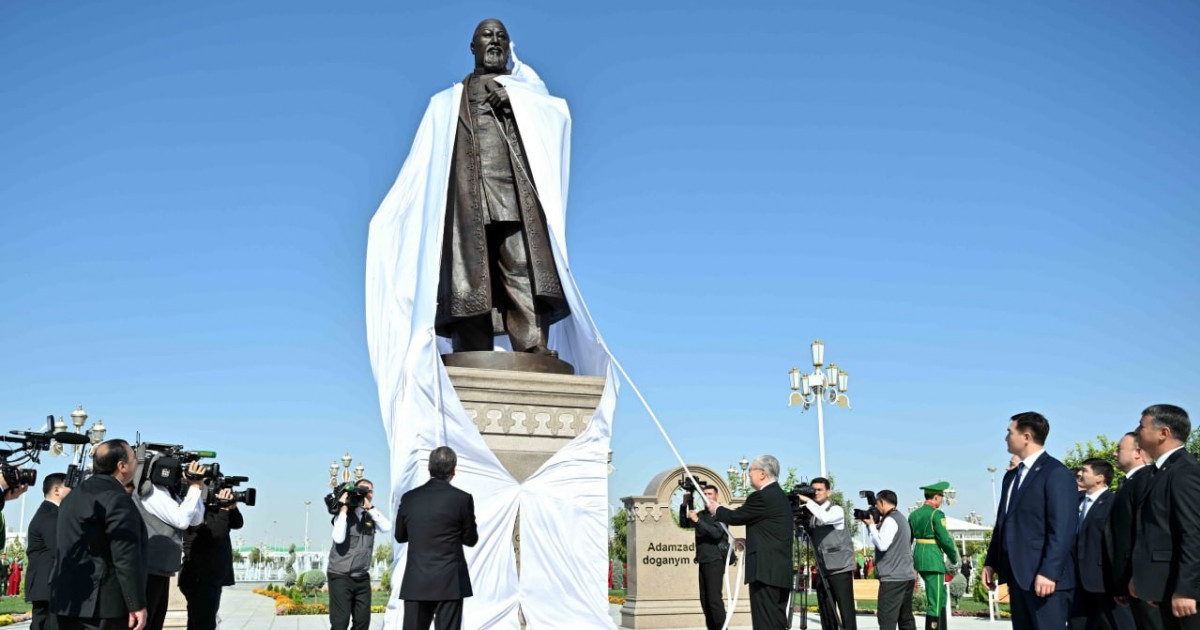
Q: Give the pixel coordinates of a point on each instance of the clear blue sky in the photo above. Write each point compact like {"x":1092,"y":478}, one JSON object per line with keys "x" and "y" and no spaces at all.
{"x":982,"y":208}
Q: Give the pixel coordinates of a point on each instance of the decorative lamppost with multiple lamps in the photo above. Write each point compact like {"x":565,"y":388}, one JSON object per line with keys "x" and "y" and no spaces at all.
{"x":742,"y":478}
{"x":344,"y":474}
{"x":829,"y":385}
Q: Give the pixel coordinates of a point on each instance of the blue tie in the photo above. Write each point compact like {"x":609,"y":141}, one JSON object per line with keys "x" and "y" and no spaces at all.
{"x":1012,"y":496}
{"x":1083,"y":510}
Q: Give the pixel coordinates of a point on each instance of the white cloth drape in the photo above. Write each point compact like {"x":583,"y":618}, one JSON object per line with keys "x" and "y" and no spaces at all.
{"x":563,"y":506}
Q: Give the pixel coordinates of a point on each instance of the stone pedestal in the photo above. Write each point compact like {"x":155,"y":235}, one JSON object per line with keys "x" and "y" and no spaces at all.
{"x":662,"y":577}
{"x":525,"y":417}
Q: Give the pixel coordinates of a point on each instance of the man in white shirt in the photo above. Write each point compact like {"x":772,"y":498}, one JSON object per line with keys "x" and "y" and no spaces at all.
{"x":350,"y":558}
{"x":892,"y":539}
{"x":167,"y":517}
{"x":835,"y":558}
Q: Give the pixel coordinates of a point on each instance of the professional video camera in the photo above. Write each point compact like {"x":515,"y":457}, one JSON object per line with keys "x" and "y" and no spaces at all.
{"x":357,"y":496}
{"x":245,"y":497}
{"x":166,"y":464}
{"x":801,"y":518}
{"x":872,"y":511}
{"x":29,"y":449}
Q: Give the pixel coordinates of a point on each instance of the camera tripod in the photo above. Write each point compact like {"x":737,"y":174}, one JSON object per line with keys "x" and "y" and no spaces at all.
{"x":803,"y":538}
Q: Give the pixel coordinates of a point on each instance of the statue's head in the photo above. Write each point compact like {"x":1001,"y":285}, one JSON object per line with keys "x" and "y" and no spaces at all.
{"x":490,"y":46}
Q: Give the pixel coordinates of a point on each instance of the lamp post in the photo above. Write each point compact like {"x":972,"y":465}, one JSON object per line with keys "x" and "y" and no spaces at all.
{"x":78,"y":452}
{"x":827,"y":385}
{"x":742,"y":477}
{"x":993,"y":469}
{"x":343,"y":473}
{"x":306,"y":504}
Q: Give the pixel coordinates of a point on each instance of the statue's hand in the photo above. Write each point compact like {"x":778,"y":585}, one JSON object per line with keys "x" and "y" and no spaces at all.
{"x":497,"y":98}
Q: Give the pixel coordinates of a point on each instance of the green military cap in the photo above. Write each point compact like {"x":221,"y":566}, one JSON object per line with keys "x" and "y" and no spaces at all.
{"x":940,"y":486}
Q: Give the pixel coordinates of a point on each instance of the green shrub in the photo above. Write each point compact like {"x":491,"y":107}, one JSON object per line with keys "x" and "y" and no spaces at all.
{"x":958,"y":588}
{"x":311,"y":581}
{"x":385,"y":581}
{"x":979,"y":592}
{"x":919,"y":602}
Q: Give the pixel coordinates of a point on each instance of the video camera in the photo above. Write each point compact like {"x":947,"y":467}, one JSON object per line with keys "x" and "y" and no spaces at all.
{"x":872,"y":511}
{"x":357,"y":496}
{"x":801,"y":518}
{"x":245,"y":497}
{"x":166,"y":465}
{"x":30,"y":445}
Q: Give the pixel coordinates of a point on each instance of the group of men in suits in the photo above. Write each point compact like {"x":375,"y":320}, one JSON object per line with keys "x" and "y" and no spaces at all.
{"x":1088,"y":557}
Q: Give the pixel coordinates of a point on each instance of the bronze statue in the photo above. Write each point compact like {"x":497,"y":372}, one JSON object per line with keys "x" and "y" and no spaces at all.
{"x":498,"y":272}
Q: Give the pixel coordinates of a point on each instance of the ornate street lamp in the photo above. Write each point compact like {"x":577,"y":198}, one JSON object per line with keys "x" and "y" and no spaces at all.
{"x":343,"y":473}
{"x":828,"y":385}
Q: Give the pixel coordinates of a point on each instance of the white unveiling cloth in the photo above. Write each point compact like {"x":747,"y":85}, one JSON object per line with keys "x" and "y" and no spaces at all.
{"x":563,"y":506}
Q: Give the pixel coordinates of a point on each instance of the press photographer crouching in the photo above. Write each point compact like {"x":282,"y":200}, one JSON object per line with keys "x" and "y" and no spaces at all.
{"x":890,"y":534}
{"x":208,"y":552}
{"x":167,"y":516}
{"x":835,"y":558}
{"x":354,"y":525}
{"x":712,"y":548}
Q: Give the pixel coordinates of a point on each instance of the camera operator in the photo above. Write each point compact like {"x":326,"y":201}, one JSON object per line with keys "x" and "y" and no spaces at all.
{"x":167,"y":517}
{"x":892,"y":538}
{"x":9,"y":493}
{"x":712,"y":547}
{"x":835,"y":557}
{"x":208,"y":561}
{"x":42,"y":547}
{"x":350,"y":559}
{"x":767,"y":516}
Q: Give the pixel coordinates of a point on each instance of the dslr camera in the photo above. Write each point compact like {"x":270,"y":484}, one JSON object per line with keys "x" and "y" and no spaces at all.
{"x":872,"y":511}
{"x":357,"y":496}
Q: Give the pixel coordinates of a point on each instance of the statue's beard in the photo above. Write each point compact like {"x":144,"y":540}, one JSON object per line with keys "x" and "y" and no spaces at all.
{"x":495,"y":60}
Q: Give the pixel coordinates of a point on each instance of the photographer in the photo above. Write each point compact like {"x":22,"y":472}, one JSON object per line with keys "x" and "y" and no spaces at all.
{"x":208,"y":561}
{"x":767,"y":516}
{"x":712,"y":547}
{"x":350,"y":559}
{"x":166,"y":517}
{"x":835,"y":557}
{"x":892,"y":538}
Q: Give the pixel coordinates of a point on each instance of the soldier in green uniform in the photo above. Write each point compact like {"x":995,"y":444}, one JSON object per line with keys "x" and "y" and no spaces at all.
{"x":931,"y":539}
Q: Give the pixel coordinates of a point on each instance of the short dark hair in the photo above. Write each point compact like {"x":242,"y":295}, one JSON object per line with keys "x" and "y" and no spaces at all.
{"x":821,"y":480}
{"x":52,"y":481}
{"x":366,"y":481}
{"x":1100,"y":467}
{"x":108,"y":455}
{"x":887,"y":495}
{"x":929,"y":494}
{"x":1172,"y":417}
{"x":1035,"y":423}
{"x":442,"y":462}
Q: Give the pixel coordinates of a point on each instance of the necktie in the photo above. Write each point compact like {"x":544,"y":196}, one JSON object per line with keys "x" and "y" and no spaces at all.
{"x":1083,"y":509}
{"x":1016,"y":487}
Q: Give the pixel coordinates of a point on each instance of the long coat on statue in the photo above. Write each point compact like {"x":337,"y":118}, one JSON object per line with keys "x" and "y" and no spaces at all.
{"x":467,"y":288}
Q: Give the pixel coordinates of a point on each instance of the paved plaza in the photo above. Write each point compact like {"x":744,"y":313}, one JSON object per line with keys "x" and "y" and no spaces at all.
{"x":244,"y":610}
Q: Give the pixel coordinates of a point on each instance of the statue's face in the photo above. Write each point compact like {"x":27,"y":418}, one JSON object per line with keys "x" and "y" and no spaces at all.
{"x":490,"y":46}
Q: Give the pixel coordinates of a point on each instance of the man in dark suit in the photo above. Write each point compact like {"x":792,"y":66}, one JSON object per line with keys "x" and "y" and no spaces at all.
{"x":1119,"y":535}
{"x":1094,"y":607}
{"x":436,"y":520}
{"x":1166,"y":552}
{"x":99,"y":580}
{"x":712,"y":548}
{"x":1034,"y":538}
{"x":767,"y":516}
{"x":42,"y":546}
